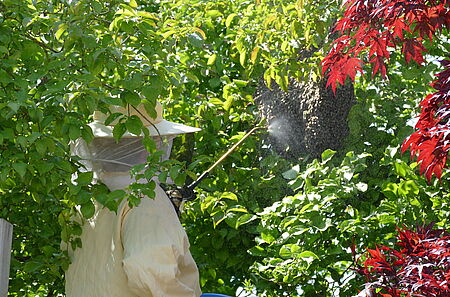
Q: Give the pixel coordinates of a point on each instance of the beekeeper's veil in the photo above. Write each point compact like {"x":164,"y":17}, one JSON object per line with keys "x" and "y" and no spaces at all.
{"x":110,"y":160}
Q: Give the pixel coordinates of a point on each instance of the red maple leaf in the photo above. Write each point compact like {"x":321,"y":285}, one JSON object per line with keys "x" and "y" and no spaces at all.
{"x":413,"y":49}
{"x":351,"y":67}
{"x":399,"y":26}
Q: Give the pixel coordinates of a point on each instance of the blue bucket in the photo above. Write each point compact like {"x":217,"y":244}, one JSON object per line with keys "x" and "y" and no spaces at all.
{"x":213,"y":295}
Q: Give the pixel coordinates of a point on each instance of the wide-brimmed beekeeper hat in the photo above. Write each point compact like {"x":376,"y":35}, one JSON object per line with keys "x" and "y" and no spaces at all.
{"x":157,"y":126}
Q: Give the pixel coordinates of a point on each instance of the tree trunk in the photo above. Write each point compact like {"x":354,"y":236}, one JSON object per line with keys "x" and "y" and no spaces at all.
{"x":5,"y":255}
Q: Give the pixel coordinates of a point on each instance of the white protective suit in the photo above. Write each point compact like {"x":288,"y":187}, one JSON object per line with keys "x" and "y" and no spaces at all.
{"x":138,"y":252}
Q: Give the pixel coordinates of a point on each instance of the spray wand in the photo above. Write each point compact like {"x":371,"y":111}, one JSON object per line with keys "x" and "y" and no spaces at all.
{"x":179,"y":195}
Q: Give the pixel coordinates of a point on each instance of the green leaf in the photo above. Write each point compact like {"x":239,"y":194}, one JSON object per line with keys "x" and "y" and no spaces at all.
{"x":20,"y":168}
{"x":74,"y":132}
{"x":150,"y":107}
{"x":102,"y":198}
{"x":229,"y":196}
{"x":113,"y":101}
{"x":64,"y":234}
{"x":292,"y":173}
{"x":74,"y":189}
{"x":257,"y":251}
{"x":218,"y":218}
{"x":14,"y":105}
{"x":213,"y":13}
{"x":76,"y":230}
{"x":134,"y":125}
{"x":211,"y":59}
{"x":32,"y":266}
{"x":162,"y":177}
{"x":267,"y":236}
{"x":61,"y":29}
{"x":151,"y":93}
{"x":131,"y":97}
{"x":83,"y":197}
{"x":174,"y":172}
{"x":155,"y":157}
{"x":214,"y":83}
{"x":87,"y":134}
{"x":237,"y":208}
{"x":133,"y":3}
{"x":289,"y":250}
{"x":22,"y":141}
{"x":408,"y":188}
{"x":390,"y":190}
{"x":88,"y":209}
{"x":308,"y":254}
{"x":240,"y":83}
{"x":245,"y":219}
{"x":165,"y":35}
{"x":192,"y":77}
{"x":149,"y":193}
{"x":228,"y":102}
{"x":327,"y":155}
{"x":149,"y":144}
{"x":268,"y":77}
{"x":180,"y":180}
{"x":84,"y":178}
{"x":44,"y":166}
{"x":4,"y":78}
{"x":242,"y":58}
{"x":112,"y":117}
{"x":64,"y":165}
{"x":135,"y":82}
{"x":118,"y":131}
{"x":33,"y":136}
{"x":117,"y":195}
{"x":401,"y":168}
{"x":96,"y":5}
{"x":229,"y":19}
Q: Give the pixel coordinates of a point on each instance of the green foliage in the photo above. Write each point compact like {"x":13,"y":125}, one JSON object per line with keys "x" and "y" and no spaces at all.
{"x":261,"y":222}
{"x":221,"y":222}
{"x":305,"y":241}
{"x":61,"y":61}
{"x":304,"y":238}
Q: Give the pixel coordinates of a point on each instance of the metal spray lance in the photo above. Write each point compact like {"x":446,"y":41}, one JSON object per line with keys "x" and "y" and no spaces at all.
{"x":179,"y":195}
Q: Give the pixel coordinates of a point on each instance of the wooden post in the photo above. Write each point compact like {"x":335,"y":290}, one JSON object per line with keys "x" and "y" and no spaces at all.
{"x":5,"y":255}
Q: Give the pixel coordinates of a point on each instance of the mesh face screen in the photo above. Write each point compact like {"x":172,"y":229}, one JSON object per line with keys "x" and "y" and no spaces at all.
{"x":105,"y":154}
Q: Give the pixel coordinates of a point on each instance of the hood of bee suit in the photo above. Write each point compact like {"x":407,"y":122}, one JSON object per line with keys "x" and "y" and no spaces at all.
{"x":157,"y":126}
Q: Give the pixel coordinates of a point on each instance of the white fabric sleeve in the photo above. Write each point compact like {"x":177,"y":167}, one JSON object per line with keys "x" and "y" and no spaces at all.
{"x":157,"y":260}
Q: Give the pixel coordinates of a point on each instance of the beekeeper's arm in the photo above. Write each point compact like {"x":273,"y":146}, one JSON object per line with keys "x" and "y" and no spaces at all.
{"x":157,"y":260}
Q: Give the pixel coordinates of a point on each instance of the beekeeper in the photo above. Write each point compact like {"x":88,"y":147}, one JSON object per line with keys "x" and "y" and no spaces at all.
{"x":142,"y":251}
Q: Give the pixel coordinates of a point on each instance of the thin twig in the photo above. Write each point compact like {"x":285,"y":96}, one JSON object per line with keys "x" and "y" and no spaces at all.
{"x":40,"y":43}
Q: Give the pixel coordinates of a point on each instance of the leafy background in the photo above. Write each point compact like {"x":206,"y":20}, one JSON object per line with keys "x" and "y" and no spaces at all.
{"x":263,"y":224}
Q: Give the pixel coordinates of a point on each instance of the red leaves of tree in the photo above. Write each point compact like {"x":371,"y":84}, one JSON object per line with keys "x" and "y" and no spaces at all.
{"x":378,"y":25}
{"x":420,"y":268}
{"x":431,"y":142}
{"x":368,"y":31}
{"x":413,"y":49}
